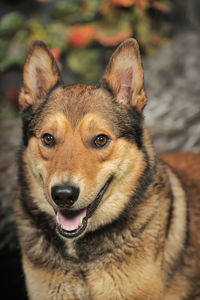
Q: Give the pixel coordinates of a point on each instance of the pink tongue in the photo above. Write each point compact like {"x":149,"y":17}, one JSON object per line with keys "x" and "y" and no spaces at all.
{"x":71,"y":223}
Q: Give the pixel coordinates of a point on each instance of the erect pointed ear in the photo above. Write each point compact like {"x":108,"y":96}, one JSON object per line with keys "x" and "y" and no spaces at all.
{"x":41,"y":74}
{"x":124,"y":75}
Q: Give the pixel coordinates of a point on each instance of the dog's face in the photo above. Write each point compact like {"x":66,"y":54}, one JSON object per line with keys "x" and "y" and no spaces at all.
{"x":82,"y":144}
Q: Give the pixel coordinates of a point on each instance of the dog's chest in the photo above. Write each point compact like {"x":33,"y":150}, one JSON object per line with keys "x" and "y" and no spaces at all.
{"x":98,"y":281}
{"x":54,"y":284}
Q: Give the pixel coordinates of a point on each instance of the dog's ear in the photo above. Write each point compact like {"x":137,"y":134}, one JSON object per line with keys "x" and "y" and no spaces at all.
{"x":124,"y":75}
{"x":41,"y":74}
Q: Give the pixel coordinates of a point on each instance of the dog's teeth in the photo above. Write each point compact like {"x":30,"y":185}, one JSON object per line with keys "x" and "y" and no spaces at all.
{"x":80,"y":221}
{"x":58,"y":220}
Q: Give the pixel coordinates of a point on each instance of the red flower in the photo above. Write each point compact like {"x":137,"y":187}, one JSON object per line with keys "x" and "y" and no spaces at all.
{"x":142,"y":4}
{"x":124,"y":3}
{"x":105,"y":40}
{"x":56,"y":53}
{"x":11,"y":94}
{"x":81,"y":36}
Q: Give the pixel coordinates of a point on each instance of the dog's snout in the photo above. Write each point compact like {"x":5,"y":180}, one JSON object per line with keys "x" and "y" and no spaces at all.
{"x":65,"y":195}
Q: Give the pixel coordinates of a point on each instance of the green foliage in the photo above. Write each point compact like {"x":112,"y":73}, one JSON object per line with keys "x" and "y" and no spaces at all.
{"x":86,"y":63}
{"x":81,"y":31}
{"x":11,"y":23}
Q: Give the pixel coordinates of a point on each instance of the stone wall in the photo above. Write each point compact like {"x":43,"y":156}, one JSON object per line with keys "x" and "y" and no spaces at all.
{"x":172,"y":80}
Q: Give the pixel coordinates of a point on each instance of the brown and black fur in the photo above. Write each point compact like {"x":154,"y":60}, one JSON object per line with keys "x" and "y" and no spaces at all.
{"x":143,"y":240}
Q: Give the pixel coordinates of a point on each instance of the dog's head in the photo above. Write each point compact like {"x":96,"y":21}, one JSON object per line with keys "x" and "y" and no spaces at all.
{"x":82,"y":144}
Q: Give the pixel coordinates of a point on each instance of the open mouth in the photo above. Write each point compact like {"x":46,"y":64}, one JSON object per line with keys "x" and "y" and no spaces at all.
{"x":71,"y":223}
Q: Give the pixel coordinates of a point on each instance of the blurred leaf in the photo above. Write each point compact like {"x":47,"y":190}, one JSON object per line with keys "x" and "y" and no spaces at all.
{"x":104,"y":7}
{"x":58,"y":34}
{"x":7,"y":110}
{"x":164,"y":8}
{"x":16,"y":51}
{"x":143,"y":30}
{"x":11,"y":22}
{"x":85,"y":63}
{"x":38,"y":31}
{"x":89,"y":9}
{"x":143,"y":4}
{"x":3,"y":49}
{"x":63,"y":10}
{"x":168,"y":3}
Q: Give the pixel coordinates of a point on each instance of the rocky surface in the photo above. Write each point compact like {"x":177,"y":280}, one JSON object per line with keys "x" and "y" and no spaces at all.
{"x":173,"y":89}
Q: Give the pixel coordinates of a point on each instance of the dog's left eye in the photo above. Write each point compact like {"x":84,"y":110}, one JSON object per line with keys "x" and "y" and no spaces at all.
{"x":101,"y":141}
{"x":48,"y":140}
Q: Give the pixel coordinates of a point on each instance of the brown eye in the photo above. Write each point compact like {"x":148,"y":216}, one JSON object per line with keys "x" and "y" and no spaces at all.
{"x":48,"y":140}
{"x":101,"y":141}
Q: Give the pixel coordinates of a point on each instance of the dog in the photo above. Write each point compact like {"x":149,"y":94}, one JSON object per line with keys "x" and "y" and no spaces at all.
{"x":99,"y":215}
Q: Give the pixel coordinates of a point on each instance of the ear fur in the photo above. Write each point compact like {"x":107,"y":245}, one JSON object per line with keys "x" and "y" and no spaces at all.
{"x":41,"y":74}
{"x":124,"y":75}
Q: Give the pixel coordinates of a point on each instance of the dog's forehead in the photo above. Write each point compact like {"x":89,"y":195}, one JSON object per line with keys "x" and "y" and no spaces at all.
{"x":91,"y":105}
{"x":77,"y":101}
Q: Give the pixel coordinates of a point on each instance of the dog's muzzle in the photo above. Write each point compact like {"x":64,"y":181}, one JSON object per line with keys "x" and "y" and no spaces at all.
{"x":72,"y":223}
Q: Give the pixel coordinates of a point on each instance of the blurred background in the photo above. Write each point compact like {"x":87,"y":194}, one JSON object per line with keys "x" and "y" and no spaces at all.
{"x":82,"y":35}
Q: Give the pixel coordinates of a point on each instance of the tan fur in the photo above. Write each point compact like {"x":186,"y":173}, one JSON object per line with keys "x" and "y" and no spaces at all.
{"x":125,"y":75}
{"x":139,"y":243}
{"x":40,"y":66}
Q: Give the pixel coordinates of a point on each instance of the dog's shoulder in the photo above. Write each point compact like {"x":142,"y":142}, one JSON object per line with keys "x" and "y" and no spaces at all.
{"x":187,"y":166}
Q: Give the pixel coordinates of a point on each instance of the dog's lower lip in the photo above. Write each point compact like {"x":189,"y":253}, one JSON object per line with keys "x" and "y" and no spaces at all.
{"x":89,"y":212}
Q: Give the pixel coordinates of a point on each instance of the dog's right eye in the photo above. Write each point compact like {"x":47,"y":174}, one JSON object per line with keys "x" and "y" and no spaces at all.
{"x":100,"y":141}
{"x":48,"y":140}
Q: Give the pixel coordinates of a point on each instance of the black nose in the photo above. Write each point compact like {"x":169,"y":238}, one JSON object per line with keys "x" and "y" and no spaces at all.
{"x":65,"y":195}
